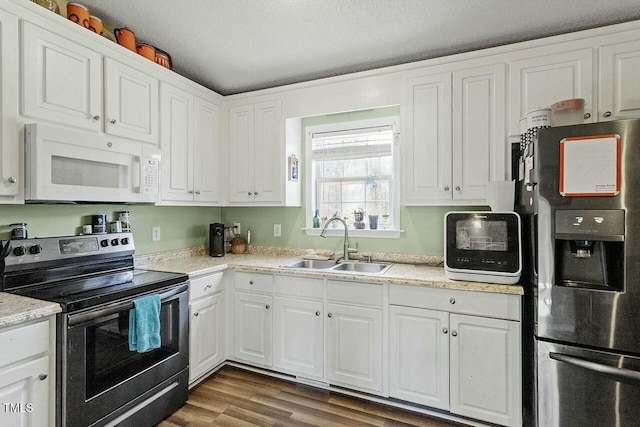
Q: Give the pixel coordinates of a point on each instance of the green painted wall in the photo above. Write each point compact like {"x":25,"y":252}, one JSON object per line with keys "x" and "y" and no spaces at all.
{"x":180,"y":227}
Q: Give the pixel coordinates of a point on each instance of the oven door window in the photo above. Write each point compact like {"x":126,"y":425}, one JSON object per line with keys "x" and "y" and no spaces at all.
{"x":108,"y":358}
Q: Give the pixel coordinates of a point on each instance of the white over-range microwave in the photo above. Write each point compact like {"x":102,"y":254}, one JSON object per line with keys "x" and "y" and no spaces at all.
{"x":68,"y":165}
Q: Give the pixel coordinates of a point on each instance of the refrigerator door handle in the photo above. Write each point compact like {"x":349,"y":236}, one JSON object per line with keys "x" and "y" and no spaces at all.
{"x":622,"y":373}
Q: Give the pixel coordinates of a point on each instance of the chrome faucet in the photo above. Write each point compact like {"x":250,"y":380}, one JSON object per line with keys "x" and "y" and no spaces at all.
{"x":347,"y":249}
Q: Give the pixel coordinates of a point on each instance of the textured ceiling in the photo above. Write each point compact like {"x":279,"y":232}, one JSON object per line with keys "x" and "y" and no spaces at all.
{"x":234,"y":46}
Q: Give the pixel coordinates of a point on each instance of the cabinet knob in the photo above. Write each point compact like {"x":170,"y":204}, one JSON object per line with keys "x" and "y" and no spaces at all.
{"x":190,"y":191}
{"x":249,"y":193}
{"x":109,"y":144}
{"x":317,"y":313}
{"x":43,"y":377}
{"x":96,"y":118}
{"x":208,"y":286}
{"x":454,"y":333}
{"x":112,"y":121}
{"x":13,"y":179}
{"x":267,"y":306}
{"x":329,"y":315}
{"x":445,"y":330}
{"x":446,"y":188}
{"x":251,"y":282}
{"x":196,"y":314}
{"x":607,"y":114}
{"x":197,"y":192}
{"x":587,"y":115}
{"x":452,"y":300}
{"x":458,"y":188}
{"x":255,"y":193}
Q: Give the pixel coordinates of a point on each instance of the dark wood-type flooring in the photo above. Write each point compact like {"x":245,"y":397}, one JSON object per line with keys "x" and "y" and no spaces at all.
{"x":235,"y":397}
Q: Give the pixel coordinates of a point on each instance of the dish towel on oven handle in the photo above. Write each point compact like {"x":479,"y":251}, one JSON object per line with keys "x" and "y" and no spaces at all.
{"x":144,"y":324}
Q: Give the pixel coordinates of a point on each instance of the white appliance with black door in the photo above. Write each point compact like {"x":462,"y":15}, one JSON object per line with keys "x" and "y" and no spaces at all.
{"x":579,"y":199}
{"x":99,"y":381}
{"x":63,"y":164}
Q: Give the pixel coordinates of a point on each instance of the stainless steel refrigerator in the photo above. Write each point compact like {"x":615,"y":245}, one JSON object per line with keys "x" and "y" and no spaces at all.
{"x":579,"y":196}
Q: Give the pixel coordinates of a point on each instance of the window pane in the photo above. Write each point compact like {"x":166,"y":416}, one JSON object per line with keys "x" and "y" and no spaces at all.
{"x":330,"y":191}
{"x":386,"y":166}
{"x":355,"y":167}
{"x":353,"y":191}
{"x":333,"y":168}
{"x":377,"y":190}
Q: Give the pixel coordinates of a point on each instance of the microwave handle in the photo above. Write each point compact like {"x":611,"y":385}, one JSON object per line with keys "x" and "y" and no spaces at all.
{"x":137,"y":173}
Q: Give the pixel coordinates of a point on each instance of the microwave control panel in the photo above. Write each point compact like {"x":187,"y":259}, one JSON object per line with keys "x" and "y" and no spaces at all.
{"x":150,"y":176}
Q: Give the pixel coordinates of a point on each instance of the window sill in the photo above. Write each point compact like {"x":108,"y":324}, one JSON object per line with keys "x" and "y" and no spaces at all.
{"x":339,"y":232}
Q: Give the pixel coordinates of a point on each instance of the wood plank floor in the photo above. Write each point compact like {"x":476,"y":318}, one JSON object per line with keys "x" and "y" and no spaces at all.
{"x":235,"y":397}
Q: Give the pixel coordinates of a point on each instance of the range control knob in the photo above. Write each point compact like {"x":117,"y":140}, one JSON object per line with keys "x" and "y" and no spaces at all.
{"x":104,"y":243}
{"x":20,"y":251}
{"x":35,"y":249}
{"x":115,"y":242}
{"x":124,"y":241}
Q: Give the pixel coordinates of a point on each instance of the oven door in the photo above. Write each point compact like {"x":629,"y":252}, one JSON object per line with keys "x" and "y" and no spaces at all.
{"x":68,"y":165}
{"x":99,"y":372}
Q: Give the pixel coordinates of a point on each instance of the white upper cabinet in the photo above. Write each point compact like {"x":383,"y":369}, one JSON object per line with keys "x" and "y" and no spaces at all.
{"x":454,"y":140}
{"x":256,"y":148}
{"x":619,"y":83}
{"x":131,"y":102}
{"x":10,"y":180}
{"x":541,"y":80}
{"x":61,"y":79}
{"x":206,"y":151}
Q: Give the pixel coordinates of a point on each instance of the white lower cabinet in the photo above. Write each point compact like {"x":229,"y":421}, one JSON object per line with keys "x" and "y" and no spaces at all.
{"x":419,"y":356}
{"x":206,"y":325}
{"x":299,"y":337}
{"x":27,"y":374}
{"x":354,"y":347}
{"x":253,"y":338}
{"x":485,"y":369}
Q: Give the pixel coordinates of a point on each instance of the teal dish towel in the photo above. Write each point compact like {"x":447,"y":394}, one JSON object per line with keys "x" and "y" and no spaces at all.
{"x":144,"y":324}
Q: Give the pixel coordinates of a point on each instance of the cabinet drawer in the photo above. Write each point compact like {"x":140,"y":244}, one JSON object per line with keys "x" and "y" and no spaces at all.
{"x":205,"y":285}
{"x":299,"y":286}
{"x":501,"y":306}
{"x":354,"y":292}
{"x":255,"y":282}
{"x":23,"y":342}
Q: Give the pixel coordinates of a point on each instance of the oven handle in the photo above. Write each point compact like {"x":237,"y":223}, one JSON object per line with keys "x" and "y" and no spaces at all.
{"x":76,"y":319}
{"x":623,"y":373}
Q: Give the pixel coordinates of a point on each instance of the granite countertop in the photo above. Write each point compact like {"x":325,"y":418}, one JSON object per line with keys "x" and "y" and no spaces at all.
{"x":16,"y":309}
{"x":398,"y":274}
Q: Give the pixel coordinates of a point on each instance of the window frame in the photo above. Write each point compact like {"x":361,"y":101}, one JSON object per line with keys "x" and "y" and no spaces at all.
{"x":311,"y":185}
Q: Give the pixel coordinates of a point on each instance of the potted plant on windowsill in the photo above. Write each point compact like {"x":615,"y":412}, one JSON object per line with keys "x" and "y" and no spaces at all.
{"x":359,"y":218}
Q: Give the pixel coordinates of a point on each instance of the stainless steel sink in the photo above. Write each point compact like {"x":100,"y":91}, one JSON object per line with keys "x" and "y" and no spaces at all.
{"x":362,"y":267}
{"x":345,"y":267}
{"x":311,"y":263}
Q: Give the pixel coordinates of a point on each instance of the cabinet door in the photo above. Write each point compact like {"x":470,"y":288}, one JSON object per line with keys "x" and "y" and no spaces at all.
{"x":131,"y":102}
{"x":206,"y":149}
{"x":241,"y":154}
{"x":10,"y":179}
{"x":479,"y":142}
{"x":299,"y":336}
{"x":543,"y":80}
{"x":619,"y":83}
{"x":176,"y":144}
{"x":426,"y":145}
{"x":253,"y":333}
{"x":486,"y":369}
{"x":419,"y":356}
{"x":354,"y":347}
{"x":61,"y":80}
{"x":24,"y":393}
{"x":269,"y":152}
{"x":205,"y":335}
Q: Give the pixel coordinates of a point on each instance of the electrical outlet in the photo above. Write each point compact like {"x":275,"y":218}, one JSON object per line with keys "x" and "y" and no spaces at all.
{"x":277,"y":230}
{"x":155,"y":234}
{"x":236,"y":228}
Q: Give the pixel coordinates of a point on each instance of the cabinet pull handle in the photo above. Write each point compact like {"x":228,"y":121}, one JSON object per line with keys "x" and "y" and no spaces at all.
{"x":255,"y":193}
{"x":587,"y":115}
{"x":454,"y":334}
{"x":43,"y":377}
{"x":196,"y":314}
{"x":317,"y":313}
{"x":452,"y":300}
{"x":112,"y":121}
{"x":208,"y":286}
{"x":267,"y":306}
{"x":446,"y":188}
{"x":445,"y":330}
{"x":197,"y":191}
{"x":13,"y":180}
{"x":251,"y":282}
{"x":458,"y":188}
{"x":329,"y":315}
{"x":96,"y":117}
{"x":607,"y":114}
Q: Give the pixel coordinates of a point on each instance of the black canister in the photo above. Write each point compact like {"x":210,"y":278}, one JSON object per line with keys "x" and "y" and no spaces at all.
{"x":18,"y":231}
{"x":99,"y":223}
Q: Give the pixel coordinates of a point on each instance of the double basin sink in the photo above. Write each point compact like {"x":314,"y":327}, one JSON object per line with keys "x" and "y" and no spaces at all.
{"x":344,"y":267}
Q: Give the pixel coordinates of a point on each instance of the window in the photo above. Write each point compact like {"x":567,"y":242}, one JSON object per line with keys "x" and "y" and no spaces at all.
{"x":354,"y":175}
